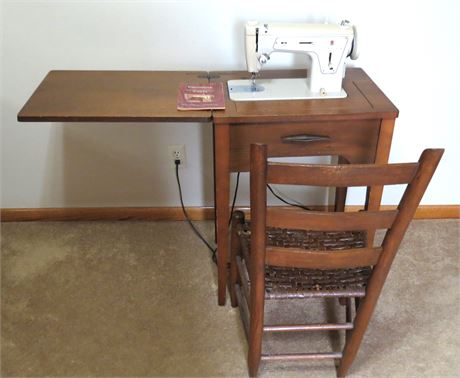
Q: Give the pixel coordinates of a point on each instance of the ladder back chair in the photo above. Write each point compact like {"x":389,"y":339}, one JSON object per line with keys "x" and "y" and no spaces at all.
{"x":291,"y":253}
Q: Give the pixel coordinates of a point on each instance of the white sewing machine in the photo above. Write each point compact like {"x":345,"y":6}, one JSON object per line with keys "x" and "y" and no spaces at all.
{"x":326,"y":47}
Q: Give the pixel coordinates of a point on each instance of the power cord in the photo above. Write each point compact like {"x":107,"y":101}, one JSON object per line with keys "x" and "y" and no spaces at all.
{"x":234,"y":197}
{"x":187,"y":218}
{"x":189,"y":221}
{"x":287,"y":202}
{"x":235,"y":194}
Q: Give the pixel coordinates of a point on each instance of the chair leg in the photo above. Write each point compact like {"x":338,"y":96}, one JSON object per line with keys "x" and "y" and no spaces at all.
{"x":343,"y":301}
{"x":256,"y":325}
{"x":357,"y":301}
{"x":255,"y":341}
{"x":348,"y":315}
{"x":233,"y":281}
{"x":237,"y":218}
{"x":365,"y":310}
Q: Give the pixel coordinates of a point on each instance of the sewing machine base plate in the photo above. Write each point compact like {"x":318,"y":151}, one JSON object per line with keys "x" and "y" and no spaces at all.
{"x":275,"y":89}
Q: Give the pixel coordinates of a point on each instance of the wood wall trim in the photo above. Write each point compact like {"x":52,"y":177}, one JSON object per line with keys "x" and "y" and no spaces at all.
{"x":104,"y":213}
{"x":175,"y":213}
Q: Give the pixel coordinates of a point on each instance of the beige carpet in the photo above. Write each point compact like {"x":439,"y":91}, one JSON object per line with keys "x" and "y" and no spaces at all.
{"x":138,"y":299}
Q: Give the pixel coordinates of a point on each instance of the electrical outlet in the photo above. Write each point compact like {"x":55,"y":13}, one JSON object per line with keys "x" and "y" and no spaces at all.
{"x":177,"y":152}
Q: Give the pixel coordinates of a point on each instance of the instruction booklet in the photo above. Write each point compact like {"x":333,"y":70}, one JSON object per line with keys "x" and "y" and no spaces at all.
{"x":201,"y":96}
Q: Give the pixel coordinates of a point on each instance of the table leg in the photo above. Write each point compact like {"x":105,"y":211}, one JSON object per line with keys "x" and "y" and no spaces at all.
{"x":214,"y":180}
{"x":340,"y":193}
{"x":374,"y":194}
{"x":222,"y":188}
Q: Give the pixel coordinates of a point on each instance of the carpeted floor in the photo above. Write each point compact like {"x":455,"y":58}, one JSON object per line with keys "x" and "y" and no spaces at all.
{"x":138,"y":299}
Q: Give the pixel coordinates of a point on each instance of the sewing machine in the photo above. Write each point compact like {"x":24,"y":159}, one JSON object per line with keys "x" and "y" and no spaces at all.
{"x":326,"y":47}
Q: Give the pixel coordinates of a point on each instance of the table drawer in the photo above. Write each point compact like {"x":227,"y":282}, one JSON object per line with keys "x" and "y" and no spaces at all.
{"x":354,"y":140}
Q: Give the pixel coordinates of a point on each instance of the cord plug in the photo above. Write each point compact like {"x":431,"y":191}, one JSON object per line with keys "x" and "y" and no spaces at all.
{"x":177,"y":162}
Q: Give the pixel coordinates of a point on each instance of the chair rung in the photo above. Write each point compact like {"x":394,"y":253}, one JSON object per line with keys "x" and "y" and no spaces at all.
{"x":308,"y":327}
{"x":302,"y":356}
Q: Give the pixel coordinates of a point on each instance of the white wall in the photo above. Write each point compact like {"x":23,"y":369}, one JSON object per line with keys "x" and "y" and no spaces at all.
{"x":409,"y":48}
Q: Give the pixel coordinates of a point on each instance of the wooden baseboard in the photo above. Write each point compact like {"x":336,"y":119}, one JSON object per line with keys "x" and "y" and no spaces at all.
{"x":175,"y":213}
{"x":105,"y":213}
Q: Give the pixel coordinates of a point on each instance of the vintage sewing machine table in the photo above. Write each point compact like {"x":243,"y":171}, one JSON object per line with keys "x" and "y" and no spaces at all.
{"x":358,"y":128}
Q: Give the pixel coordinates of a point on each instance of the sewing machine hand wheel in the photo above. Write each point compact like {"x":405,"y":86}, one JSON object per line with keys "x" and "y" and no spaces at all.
{"x":354,"y":49}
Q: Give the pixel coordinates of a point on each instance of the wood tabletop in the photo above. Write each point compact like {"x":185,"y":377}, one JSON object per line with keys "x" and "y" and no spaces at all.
{"x":111,"y":96}
{"x":365,"y":101}
{"x":150,"y":96}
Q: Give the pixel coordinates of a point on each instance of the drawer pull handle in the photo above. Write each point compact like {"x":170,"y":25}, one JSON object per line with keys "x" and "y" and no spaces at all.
{"x":303,"y":138}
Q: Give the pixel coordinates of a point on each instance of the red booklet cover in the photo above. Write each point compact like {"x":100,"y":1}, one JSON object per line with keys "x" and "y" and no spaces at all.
{"x":201,"y":96}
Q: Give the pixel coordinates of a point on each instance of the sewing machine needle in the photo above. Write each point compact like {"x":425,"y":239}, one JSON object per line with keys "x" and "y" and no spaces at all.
{"x":253,"y":82}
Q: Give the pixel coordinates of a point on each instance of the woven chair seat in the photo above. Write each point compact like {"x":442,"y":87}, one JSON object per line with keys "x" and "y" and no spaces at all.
{"x":282,"y":283}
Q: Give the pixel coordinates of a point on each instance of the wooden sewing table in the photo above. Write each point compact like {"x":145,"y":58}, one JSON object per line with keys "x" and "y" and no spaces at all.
{"x":358,"y":128}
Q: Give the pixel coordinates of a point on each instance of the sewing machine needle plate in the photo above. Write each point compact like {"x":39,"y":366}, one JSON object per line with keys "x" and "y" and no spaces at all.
{"x":275,"y":89}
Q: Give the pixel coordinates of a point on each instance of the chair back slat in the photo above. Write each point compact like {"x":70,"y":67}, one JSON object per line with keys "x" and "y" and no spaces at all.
{"x":300,"y":258}
{"x":340,"y":175}
{"x":323,"y":221}
{"x":416,"y":175}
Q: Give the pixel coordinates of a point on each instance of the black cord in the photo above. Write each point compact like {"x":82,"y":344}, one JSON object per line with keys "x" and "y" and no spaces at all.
{"x":286,"y":202}
{"x":197,"y":233}
{"x":187,"y":218}
{"x":234,"y":197}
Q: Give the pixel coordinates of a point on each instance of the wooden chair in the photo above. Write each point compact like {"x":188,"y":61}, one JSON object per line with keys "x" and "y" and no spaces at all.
{"x":291,"y":253}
